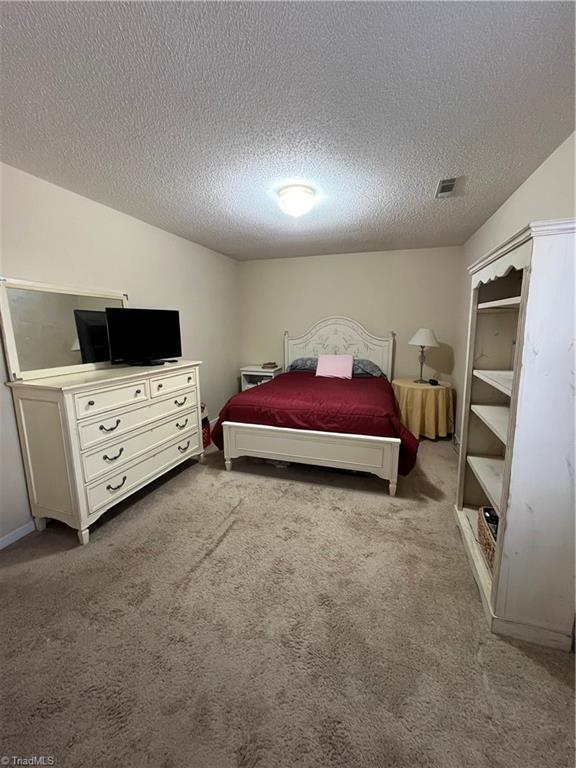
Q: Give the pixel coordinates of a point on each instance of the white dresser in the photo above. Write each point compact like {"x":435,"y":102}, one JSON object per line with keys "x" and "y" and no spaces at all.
{"x":91,"y":439}
{"x":91,"y":433}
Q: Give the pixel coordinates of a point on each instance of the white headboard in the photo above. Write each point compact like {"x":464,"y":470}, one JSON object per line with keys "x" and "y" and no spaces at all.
{"x":340,"y":336}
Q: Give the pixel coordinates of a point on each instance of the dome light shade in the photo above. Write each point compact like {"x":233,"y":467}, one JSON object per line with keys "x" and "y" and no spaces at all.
{"x":296,"y":199}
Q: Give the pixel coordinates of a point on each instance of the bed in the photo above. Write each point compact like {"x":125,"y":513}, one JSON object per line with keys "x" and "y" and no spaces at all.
{"x":344,"y":423}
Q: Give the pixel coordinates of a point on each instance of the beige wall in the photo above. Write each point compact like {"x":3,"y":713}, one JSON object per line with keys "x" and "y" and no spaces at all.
{"x":52,"y":235}
{"x":396,"y":291}
{"x":14,"y":509}
{"x":547,"y":194}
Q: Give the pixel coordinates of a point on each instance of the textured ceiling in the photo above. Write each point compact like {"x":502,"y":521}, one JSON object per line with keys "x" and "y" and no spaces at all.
{"x":189,"y":116}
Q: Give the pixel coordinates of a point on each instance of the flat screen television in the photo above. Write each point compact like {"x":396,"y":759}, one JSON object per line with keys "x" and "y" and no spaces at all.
{"x":92,"y":333}
{"x":143,"y":336}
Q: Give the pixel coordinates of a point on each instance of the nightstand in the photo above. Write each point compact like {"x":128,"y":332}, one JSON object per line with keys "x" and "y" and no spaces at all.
{"x":425,"y":409}
{"x":252,"y":375}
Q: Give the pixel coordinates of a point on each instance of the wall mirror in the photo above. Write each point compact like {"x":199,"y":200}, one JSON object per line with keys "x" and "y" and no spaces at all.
{"x":48,"y":330}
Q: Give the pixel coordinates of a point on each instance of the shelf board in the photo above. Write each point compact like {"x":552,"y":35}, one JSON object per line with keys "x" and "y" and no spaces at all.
{"x":496,"y":417}
{"x":511,"y":303}
{"x":467,"y":520}
{"x":500,"y":380}
{"x":489,"y":471}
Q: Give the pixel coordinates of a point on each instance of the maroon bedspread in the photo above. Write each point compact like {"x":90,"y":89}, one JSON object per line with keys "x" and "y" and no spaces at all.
{"x":299,"y":400}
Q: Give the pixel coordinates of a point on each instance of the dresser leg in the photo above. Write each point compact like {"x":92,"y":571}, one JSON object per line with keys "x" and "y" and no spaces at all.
{"x":228,"y":463}
{"x":201,"y":458}
{"x":84,"y":536}
{"x":40,"y":523}
{"x":392,"y":487}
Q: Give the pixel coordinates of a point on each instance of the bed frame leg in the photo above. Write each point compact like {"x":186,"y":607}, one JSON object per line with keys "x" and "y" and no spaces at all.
{"x":228,"y":463}
{"x":392,"y":487}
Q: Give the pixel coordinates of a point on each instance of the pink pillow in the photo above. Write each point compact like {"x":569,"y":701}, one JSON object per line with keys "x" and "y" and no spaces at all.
{"x":335,"y":366}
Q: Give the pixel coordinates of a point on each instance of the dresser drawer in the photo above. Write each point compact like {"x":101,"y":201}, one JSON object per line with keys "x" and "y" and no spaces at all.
{"x":162,"y":385}
{"x":107,"y":458}
{"x":109,"y":399}
{"x":109,"y":427}
{"x":116,"y":486}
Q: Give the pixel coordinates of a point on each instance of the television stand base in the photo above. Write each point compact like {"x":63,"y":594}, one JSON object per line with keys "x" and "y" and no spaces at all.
{"x":146,"y":362}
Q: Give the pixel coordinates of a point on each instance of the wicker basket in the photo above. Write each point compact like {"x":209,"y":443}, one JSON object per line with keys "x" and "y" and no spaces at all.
{"x":486,"y":540}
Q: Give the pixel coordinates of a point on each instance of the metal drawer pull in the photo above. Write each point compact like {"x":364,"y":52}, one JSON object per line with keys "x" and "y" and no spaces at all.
{"x":180,"y":404}
{"x":113,"y":458}
{"x":91,"y":402}
{"x":189,"y":379}
{"x":102,"y":428}
{"x":181,"y":426}
{"x":117,"y":487}
{"x":160,"y":386}
{"x":138,"y":392}
{"x":185,"y":448}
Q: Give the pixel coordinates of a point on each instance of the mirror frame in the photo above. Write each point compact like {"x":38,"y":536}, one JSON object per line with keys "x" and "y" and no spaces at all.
{"x":9,"y":339}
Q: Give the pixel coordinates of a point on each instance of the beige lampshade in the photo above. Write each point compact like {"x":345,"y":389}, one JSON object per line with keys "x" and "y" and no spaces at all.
{"x":424,"y":337}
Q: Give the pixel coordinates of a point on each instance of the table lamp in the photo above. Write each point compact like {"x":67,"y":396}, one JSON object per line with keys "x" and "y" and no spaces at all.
{"x":424,"y":337}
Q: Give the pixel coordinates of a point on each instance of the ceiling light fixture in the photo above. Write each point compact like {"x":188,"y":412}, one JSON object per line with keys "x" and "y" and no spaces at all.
{"x":296,"y":199}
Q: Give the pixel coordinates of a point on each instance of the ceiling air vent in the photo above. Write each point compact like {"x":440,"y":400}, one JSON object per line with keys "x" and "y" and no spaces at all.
{"x":445,"y":188}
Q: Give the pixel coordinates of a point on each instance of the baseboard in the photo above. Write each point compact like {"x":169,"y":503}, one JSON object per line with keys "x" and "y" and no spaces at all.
{"x":18,"y":533}
{"x":552,"y":638}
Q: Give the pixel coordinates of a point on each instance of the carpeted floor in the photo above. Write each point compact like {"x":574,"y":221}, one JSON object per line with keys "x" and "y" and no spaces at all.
{"x":272,"y":618}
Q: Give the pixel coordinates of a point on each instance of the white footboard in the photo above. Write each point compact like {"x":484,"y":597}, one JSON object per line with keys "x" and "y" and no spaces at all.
{"x":377,"y":455}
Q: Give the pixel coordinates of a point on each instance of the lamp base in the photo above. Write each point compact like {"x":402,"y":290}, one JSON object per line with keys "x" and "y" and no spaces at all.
{"x":422,"y":360}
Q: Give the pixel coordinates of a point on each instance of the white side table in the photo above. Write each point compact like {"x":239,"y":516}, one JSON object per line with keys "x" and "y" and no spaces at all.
{"x":253,"y":375}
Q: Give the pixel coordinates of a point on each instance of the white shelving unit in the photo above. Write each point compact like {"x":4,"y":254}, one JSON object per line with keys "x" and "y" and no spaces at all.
{"x":517,"y":442}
